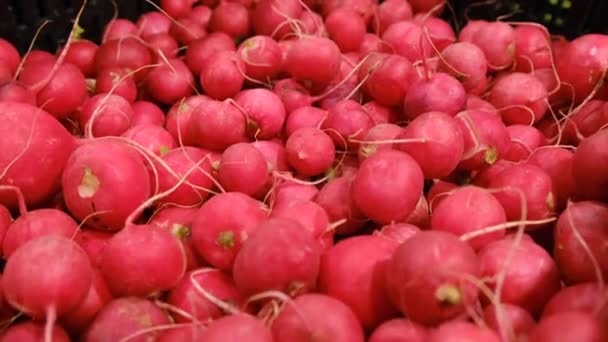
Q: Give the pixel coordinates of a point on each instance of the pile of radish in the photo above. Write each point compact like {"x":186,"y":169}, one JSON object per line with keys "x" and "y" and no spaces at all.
{"x":304,"y":170}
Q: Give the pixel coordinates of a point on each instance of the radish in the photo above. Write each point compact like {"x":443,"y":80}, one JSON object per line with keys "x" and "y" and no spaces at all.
{"x":200,"y":50}
{"x":420,"y":217}
{"x":365,"y":8}
{"x":399,"y":329}
{"x":310,"y":151}
{"x":557,"y":163}
{"x":193,"y":291}
{"x":580,"y":233}
{"x":177,"y":8}
{"x":153,"y":137}
{"x":336,"y":197}
{"x":262,"y":57}
{"x":439,"y":92}
{"x":116,"y":81}
{"x":476,"y":102}
{"x":152,"y":23}
{"x":399,"y":39}
{"x":218,"y":236}
{"x":179,"y":119}
{"x":304,"y":117}
{"x":532,"y":48}
{"x":359,"y":262}
{"x":81,"y":53}
{"x":346,"y":28}
{"x":93,"y":242}
{"x":439,"y":31}
{"x":426,"y":277}
{"x":223,"y":75}
{"x":398,"y":232}
{"x":118,"y":29}
{"x":497,"y":40}
{"x":105,"y":115}
{"x":273,"y":18}
{"x":187,"y":332}
{"x":77,"y":320}
{"x":16,"y":91}
{"x":33,"y":331}
{"x":387,"y":186}
{"x":319,"y":317}
{"x":231,"y":18}
{"x":438,"y":192}
{"x":312,"y":23}
{"x":37,"y":223}
{"x":568,"y":326}
{"x":92,"y":186}
{"x":455,"y":330}
{"x":375,"y":138}
{"x":468,"y":209}
{"x":584,"y":297}
{"x":436,"y":6}
{"x":387,"y":78}
{"x":315,"y":61}
{"x":35,"y":146}
{"x":139,"y":251}
{"x":585,"y":121}
{"x":515,"y":320}
{"x":435,"y":141}
{"x":5,"y":223}
{"x":520,"y":98}
{"x":170,"y":81}
{"x":389,"y":12}
{"x":9,"y":55}
{"x":201,"y":14}
{"x":310,"y":215}
{"x":467,"y":63}
{"x":346,"y":121}
{"x":264,"y":110}
{"x":235,"y":328}
{"x":145,"y":112}
{"x":530,"y":276}
{"x":127,"y":53}
{"x":186,"y":30}
{"x":293,"y":94}
{"x":288,"y":191}
{"x":163,"y":45}
{"x":589,"y":165}
{"x":243,"y":169}
{"x":122,"y":317}
{"x":524,"y":141}
{"x":278,"y":239}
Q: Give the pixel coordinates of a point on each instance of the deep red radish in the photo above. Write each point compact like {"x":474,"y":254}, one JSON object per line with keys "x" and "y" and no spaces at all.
{"x":193,"y":291}
{"x":138,"y":252}
{"x":558,"y":95}
{"x":264,"y":110}
{"x":115,"y":80}
{"x":122,"y":317}
{"x":346,"y":28}
{"x":484,"y":176}
{"x":437,"y":144}
{"x":589,"y":167}
{"x":585,"y":297}
{"x":365,"y":8}
{"x":179,"y":118}
{"x":557,"y":163}
{"x":532,"y":48}
{"x":359,"y":262}
{"x":5,"y":74}
{"x":145,"y":112}
{"x":15,"y":91}
{"x":531,"y":277}
{"x":92,"y":186}
{"x":399,"y":329}
{"x":439,"y":191}
{"x":440,"y":32}
{"x":568,"y":326}
{"x":497,"y":40}
{"x":201,"y":13}
{"x":304,"y":117}
{"x":93,"y":242}
{"x":509,"y":320}
{"x":35,"y":277}
{"x":520,"y":98}
{"x":177,"y":8}
{"x":273,"y":152}
{"x":387,"y":78}
{"x":469,"y":30}
{"x":584,"y":122}
{"x":486,"y":139}
{"x":524,"y":141}
{"x":373,"y":44}
{"x":293,"y":94}
{"x":186,"y":30}
{"x":319,"y":317}
{"x":467,"y":63}
{"x":200,"y":50}
{"x":310,"y":215}
{"x":456,"y":330}
{"x":262,"y":57}
{"x":582,"y":63}
{"x":336,"y":197}
{"x":387,"y":186}
{"x":420,"y":216}
{"x":439,"y":92}
{"x":581,"y":230}
{"x":235,"y":328}
{"x":190,"y":331}
{"x":397,"y":232}
{"x":382,"y":114}
{"x":218,"y":235}
{"x":231,"y":18}
{"x":243,"y":169}
{"x":151,"y":23}
{"x":312,"y":23}
{"x":476,"y":102}
{"x":9,"y":55}
{"x":467,"y":210}
{"x":38,"y":57}
{"x":310,"y":151}
{"x":376,"y":139}
{"x":314,"y":61}
{"x":290,"y":191}
{"x":105,"y":115}
{"x":118,"y":29}
{"x":127,"y":53}
{"x":81,"y":53}
{"x":31,"y":331}
{"x":223,"y":75}
{"x":35,"y":224}
{"x":389,"y":12}
{"x":275,"y":18}
{"x":163,"y":46}
{"x":35,"y":146}
{"x":153,"y":137}
{"x":346,"y":121}
{"x":524,"y":186}
{"x":170,"y":82}
{"x":434,"y":7}
{"x":77,"y":320}
{"x":426,"y":277}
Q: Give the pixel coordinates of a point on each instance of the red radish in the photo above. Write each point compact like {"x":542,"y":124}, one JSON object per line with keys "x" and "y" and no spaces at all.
{"x":524,"y":141}
{"x":399,"y":329}
{"x":93,"y":242}
{"x":222,"y":76}
{"x":115,"y":80}
{"x":580,"y":234}
{"x":35,"y":276}
{"x":315,"y":61}
{"x":38,"y":56}
{"x":389,"y":12}
{"x":441,"y":145}
{"x":192,"y":291}
{"x":170,"y":82}
{"x":423,"y":6}
{"x":37,"y":223}
{"x":484,"y":176}
{"x":145,"y":112}
{"x":455,"y":330}
{"x":520,"y":98}
{"x":178,"y":221}
{"x":91,"y":185}
{"x":105,"y":115}
{"x":387,"y":78}
{"x":118,"y":29}
{"x":439,"y":92}
{"x":420,"y":217}
{"x":336,"y":197}
{"x":5,"y":74}
{"x":395,"y":36}
{"x":438,"y":192}
{"x":186,"y":30}
{"x":467,"y":63}
{"x":557,"y":163}
{"x":200,"y":50}
{"x":347,"y":120}
{"x":293,"y":94}
{"x":524,"y":186}
{"x":381,"y":114}
{"x":231,"y":18}
{"x":312,"y":23}
{"x":16,"y":91}
{"x":359,"y":262}
{"x":531,"y":277}
{"x":35,"y":146}
{"x":346,"y":28}
{"x":467,"y":210}
{"x":217,"y":235}
{"x":365,"y":8}
{"x":201,"y":14}
{"x":152,"y":23}
{"x":372,"y":43}
{"x":310,"y":215}
{"x":163,"y":45}
{"x":514,"y":320}
{"x":188,"y":332}
{"x":469,"y":30}
{"x":426,"y":277}
{"x":274,"y":18}
{"x":497,"y":40}
{"x":532,"y":48}
{"x":30,"y":331}
{"x":153,"y":137}
{"x":585,"y":121}
{"x":585,"y":297}
{"x":264,"y":110}
{"x":375,"y":138}
{"x":262,"y":57}
{"x":275,"y":156}
{"x":5,"y":222}
{"x":278,"y":239}
{"x":235,"y":328}
{"x":387,"y":186}
{"x":127,"y":53}
{"x":179,"y":119}
{"x":243,"y":169}
{"x":97,"y":297}
{"x":476,"y":102}
{"x":304,"y":117}
{"x":310,"y":151}
{"x":122,"y":317}
{"x":139,"y":251}
{"x":589,"y":167}
{"x":177,"y":8}
{"x":9,"y":55}
{"x":81,"y":53}
{"x":398,"y":232}
{"x":288,"y":191}
{"x":568,"y":326}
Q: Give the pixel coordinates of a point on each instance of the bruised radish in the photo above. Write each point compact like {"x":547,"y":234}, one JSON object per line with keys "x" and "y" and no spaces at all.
{"x":520,"y":98}
{"x":180,"y":119}
{"x":589,"y":167}
{"x":439,"y":92}
{"x":235,"y":328}
{"x":399,"y":329}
